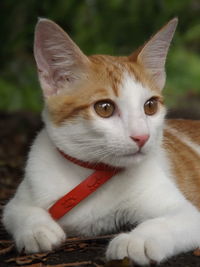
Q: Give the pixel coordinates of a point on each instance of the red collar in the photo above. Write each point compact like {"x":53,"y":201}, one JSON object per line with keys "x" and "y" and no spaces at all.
{"x":85,"y":164}
{"x":102,"y":174}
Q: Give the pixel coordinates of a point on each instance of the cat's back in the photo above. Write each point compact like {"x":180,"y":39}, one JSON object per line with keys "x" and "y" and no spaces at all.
{"x":189,"y":128}
{"x":182,"y":144}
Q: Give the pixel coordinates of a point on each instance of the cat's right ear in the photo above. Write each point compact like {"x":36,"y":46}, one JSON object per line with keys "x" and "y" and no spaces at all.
{"x":59,"y":60}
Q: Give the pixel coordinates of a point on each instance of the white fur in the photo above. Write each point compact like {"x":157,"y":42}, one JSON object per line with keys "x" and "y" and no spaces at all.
{"x":143,"y":193}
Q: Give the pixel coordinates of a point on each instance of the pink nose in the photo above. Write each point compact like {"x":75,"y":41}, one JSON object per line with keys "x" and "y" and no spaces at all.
{"x":140,"y":140}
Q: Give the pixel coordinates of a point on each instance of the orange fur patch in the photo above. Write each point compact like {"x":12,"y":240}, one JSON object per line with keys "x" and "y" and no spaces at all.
{"x":188,"y":127}
{"x":65,"y":107}
{"x":185,"y":161}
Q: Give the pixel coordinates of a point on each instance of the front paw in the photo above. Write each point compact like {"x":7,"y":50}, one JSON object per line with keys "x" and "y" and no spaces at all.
{"x":141,"y":247}
{"x":40,"y":237}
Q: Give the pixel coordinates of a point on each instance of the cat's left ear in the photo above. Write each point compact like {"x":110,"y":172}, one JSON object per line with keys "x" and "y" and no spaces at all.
{"x":152,"y":55}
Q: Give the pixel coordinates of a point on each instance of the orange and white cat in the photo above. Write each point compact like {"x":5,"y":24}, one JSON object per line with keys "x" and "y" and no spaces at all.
{"x":109,"y":109}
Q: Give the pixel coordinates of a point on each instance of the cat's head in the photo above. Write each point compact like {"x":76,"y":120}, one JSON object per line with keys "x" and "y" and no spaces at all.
{"x":102,"y":108}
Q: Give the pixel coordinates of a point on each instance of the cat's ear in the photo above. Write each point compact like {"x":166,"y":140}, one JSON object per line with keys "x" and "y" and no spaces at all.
{"x":152,"y":55}
{"x":59,"y":60}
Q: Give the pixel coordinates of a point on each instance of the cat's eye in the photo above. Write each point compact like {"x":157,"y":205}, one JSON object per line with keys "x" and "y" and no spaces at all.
{"x":151,"y":106}
{"x":104,"y":108}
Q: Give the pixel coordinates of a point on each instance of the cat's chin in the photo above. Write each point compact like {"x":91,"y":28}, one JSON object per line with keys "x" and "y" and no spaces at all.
{"x":136,"y":158}
{"x":128,"y":160}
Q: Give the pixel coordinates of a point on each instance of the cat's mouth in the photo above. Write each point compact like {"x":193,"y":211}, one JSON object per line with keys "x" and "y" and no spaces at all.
{"x":133,"y":154}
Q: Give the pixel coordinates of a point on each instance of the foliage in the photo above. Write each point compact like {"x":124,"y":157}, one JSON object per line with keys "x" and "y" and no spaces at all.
{"x":97,"y":26}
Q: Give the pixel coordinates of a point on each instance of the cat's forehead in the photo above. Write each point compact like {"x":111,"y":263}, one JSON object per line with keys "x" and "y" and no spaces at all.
{"x":109,"y":78}
{"x":107,"y":71}
{"x":112,"y":70}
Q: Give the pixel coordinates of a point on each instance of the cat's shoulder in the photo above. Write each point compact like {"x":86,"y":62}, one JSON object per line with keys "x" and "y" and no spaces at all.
{"x":183,"y":128}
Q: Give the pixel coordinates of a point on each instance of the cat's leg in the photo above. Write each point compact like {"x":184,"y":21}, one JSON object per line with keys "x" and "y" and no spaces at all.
{"x":159,"y":238}
{"x":170,"y":224}
{"x":32,"y":227}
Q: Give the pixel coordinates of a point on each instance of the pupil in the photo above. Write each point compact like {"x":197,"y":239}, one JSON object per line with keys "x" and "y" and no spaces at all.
{"x":105,"y":106}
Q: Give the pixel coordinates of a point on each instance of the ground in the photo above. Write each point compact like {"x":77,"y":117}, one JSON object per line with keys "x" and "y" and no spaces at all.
{"x":17,"y":131}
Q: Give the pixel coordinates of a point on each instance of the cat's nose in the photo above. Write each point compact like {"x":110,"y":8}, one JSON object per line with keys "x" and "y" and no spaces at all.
{"x":140,"y":140}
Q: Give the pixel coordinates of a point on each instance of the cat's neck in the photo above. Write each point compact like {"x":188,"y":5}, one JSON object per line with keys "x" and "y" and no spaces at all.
{"x":94,"y":166}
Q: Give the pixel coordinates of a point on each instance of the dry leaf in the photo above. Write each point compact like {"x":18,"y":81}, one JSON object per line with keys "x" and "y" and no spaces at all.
{"x":120,"y":263}
{"x":6,"y":250}
{"x":37,"y":265}
{"x":5,"y":246}
{"x":28,"y":258}
{"x":73,"y":264}
{"x":197,"y":252}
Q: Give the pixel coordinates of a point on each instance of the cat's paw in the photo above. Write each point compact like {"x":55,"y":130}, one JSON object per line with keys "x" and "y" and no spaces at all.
{"x":143,"y":247}
{"x":40,"y":238}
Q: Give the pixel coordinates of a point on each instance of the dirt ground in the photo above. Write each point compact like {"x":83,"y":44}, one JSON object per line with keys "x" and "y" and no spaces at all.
{"x":16,"y":132}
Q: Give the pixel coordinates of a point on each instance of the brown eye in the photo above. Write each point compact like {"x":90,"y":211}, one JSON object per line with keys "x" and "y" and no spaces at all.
{"x":104,"y":108}
{"x":151,"y":106}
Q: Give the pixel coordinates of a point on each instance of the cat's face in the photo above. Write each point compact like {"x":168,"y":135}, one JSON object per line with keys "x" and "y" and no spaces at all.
{"x":101,"y":108}
{"x":98,"y":120}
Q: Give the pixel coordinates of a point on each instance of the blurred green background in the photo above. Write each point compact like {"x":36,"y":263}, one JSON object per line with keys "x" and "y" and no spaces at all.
{"x":115,"y":27}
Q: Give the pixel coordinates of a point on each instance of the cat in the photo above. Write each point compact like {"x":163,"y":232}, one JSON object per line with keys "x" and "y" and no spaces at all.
{"x":108,"y":109}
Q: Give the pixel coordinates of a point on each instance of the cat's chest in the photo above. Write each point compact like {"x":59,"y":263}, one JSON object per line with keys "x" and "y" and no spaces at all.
{"x":105,"y":210}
